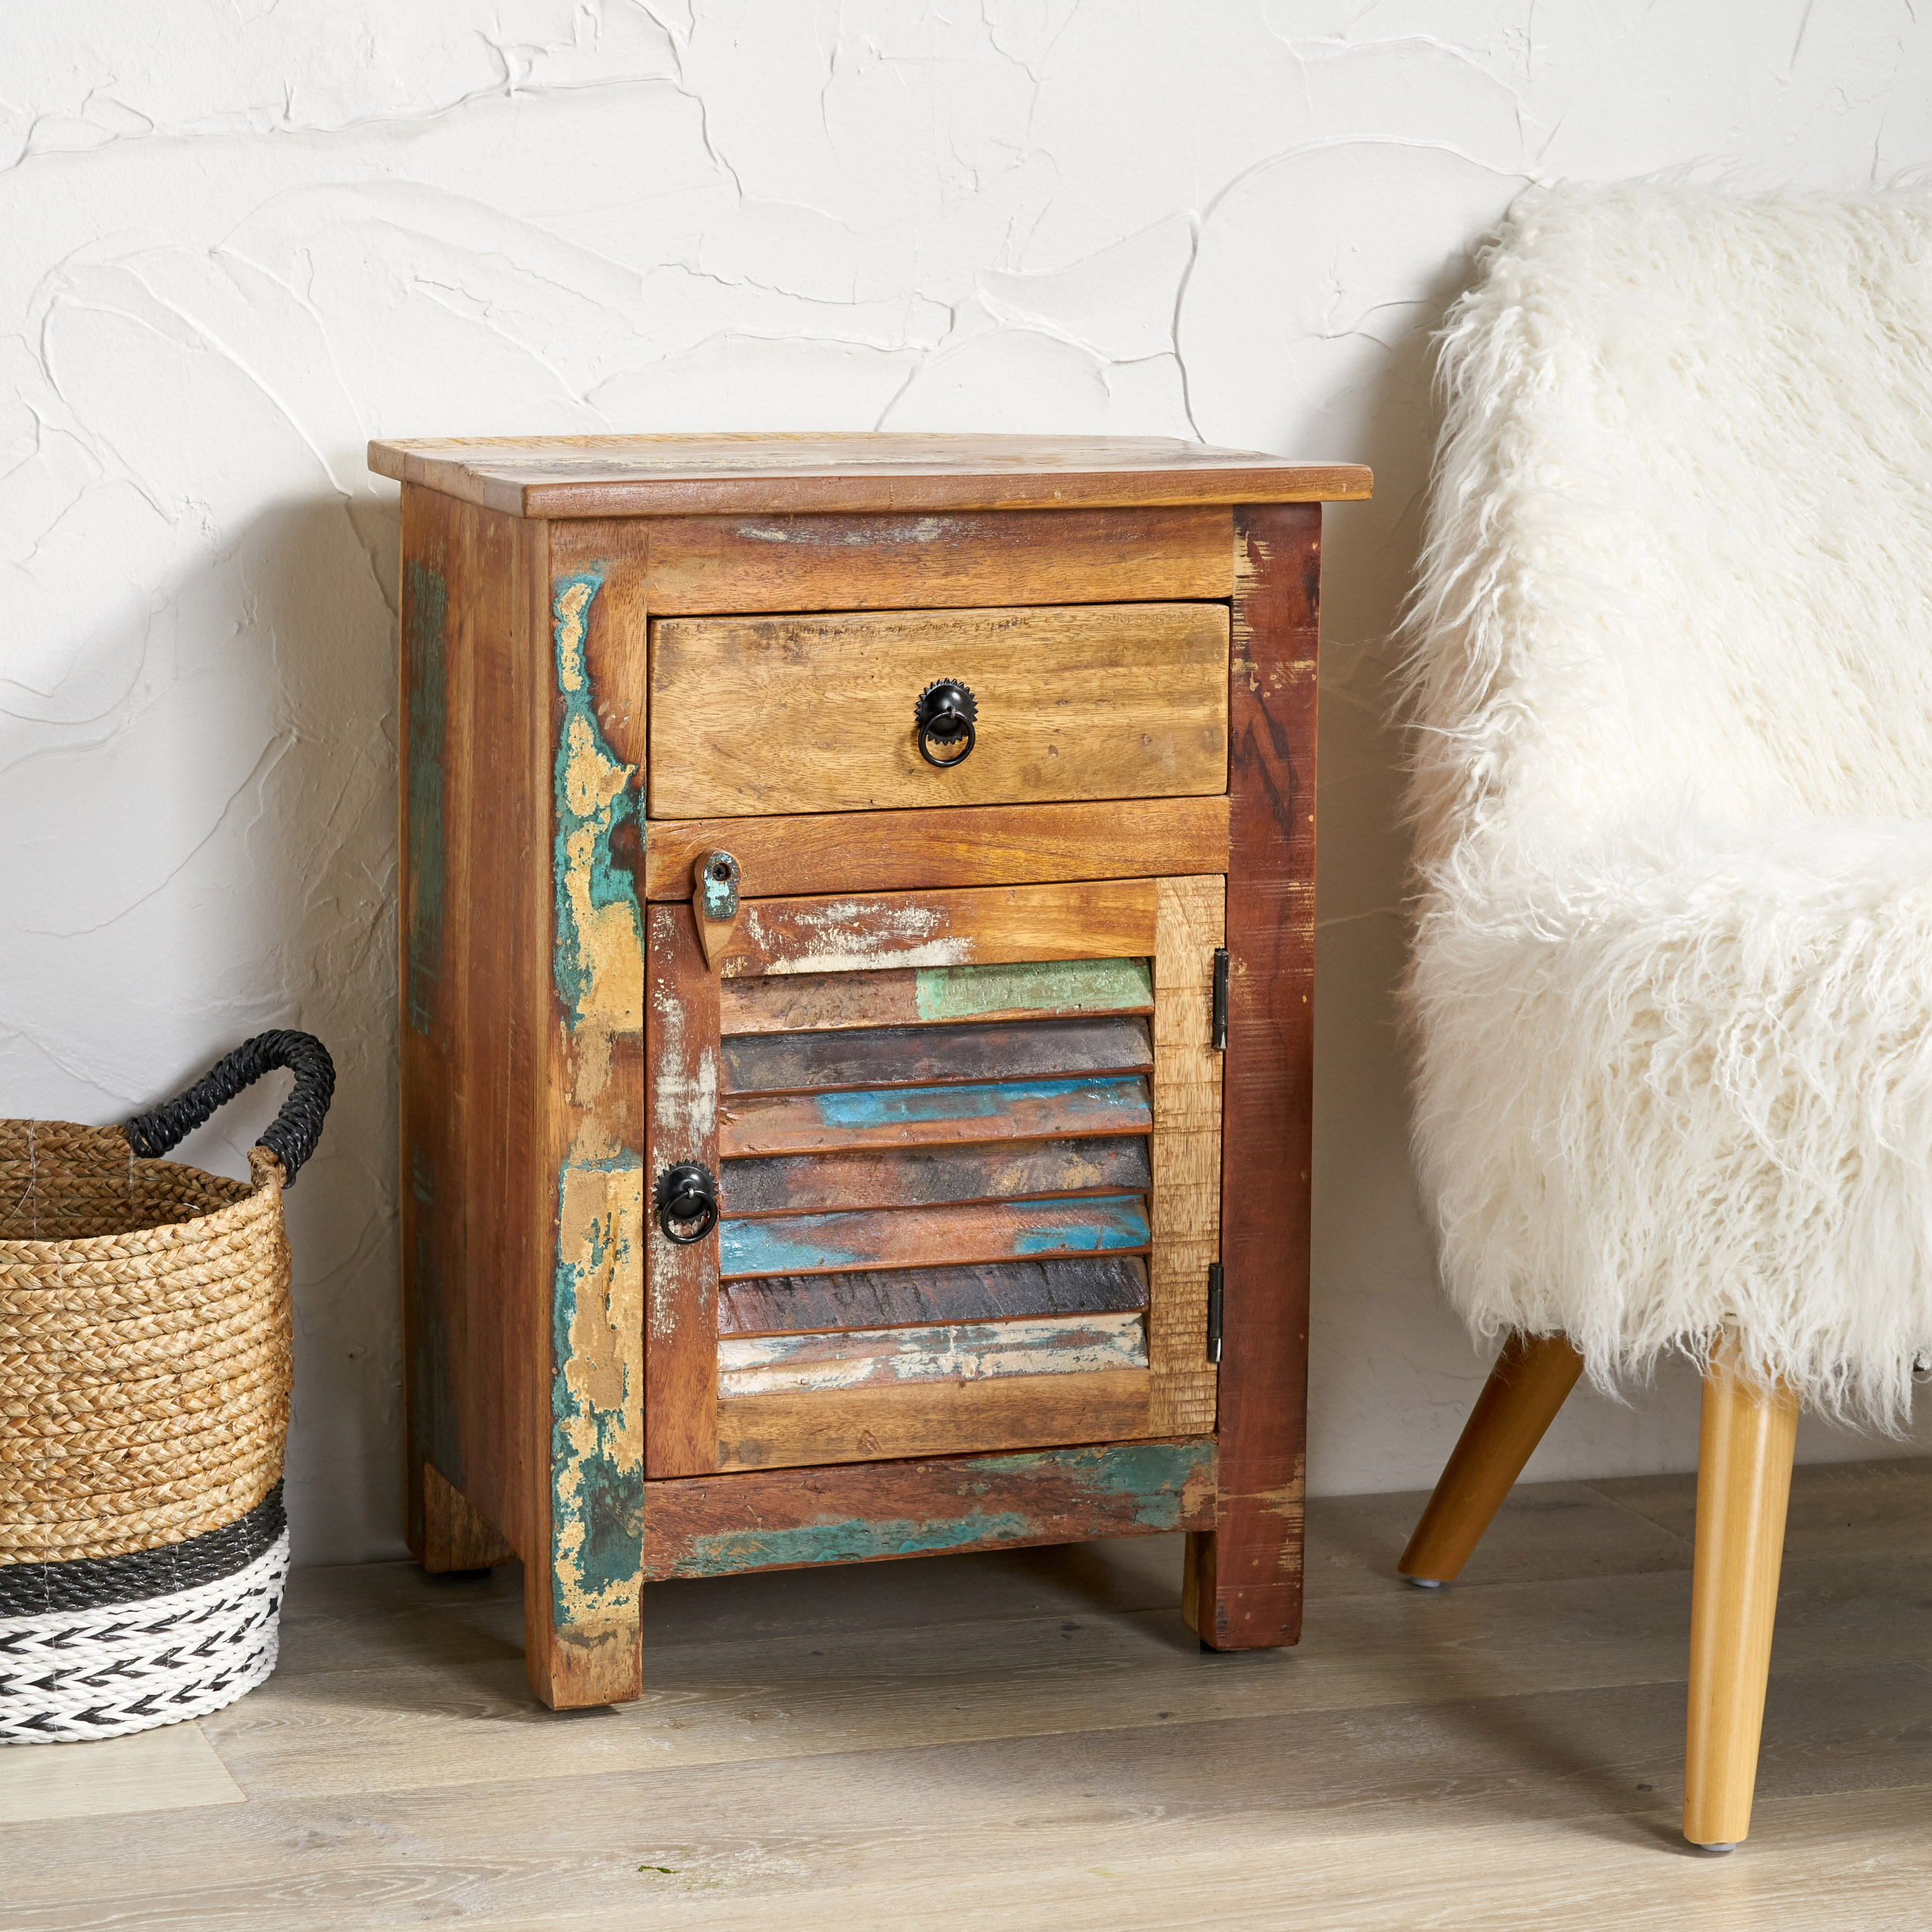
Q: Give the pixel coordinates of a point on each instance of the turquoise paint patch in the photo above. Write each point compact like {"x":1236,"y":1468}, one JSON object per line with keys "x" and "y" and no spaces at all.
{"x":720,"y":895}
{"x":426,"y":601}
{"x":725,"y":1552}
{"x":1112,"y":1225}
{"x":786,"y":1243}
{"x":1056,"y":986}
{"x":432,"y":1401}
{"x":1151,"y":1475}
{"x":609,"y":885}
{"x":1151,"y":1478}
{"x":904,"y":1105}
{"x":609,"y":1501}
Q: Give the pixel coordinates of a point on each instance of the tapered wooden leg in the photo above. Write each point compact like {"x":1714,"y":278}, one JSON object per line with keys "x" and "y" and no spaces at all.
{"x":1743,"y":1486}
{"x":1531,"y":1378}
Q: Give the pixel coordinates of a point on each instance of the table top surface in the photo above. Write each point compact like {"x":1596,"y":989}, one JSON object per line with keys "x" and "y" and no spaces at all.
{"x":861,"y":473}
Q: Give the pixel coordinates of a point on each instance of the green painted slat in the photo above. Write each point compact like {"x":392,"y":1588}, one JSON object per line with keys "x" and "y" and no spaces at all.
{"x":1053,"y":986}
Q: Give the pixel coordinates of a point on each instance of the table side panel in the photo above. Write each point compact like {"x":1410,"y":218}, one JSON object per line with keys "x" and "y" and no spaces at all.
{"x":1244,"y":1582}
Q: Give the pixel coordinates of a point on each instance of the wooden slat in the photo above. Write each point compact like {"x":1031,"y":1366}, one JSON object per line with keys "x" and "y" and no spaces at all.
{"x":910,"y":1297}
{"x":936,"y":995}
{"x":932,"y":1418}
{"x":936,"y":1055}
{"x":808,"y":1183}
{"x":865,"y":472}
{"x":1187,"y":1150}
{"x":813,"y":714}
{"x":920,"y":1237}
{"x":1243,"y":1584}
{"x":858,"y":932}
{"x":680,"y":1307}
{"x":704,"y":564}
{"x":790,"y":1519}
{"x":966,"y":1351}
{"x":933,"y":1116}
{"x":973,"y":845}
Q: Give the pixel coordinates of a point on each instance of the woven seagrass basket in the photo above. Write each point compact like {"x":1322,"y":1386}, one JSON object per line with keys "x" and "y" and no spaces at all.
{"x":144,"y":1370}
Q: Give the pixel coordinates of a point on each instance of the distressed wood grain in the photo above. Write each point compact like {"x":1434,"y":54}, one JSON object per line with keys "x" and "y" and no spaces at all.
{"x":878,"y":1357}
{"x":583,"y":1645}
{"x":936,"y":1055}
{"x":933,"y":1418}
{"x":734,"y":564}
{"x":1243,"y":1589}
{"x":881,"y":1178}
{"x":936,"y":995}
{"x":454,"y":1536}
{"x":865,"y":473}
{"x":909,"y":1297}
{"x":901,"y":1237}
{"x":933,"y":1116}
{"x":476,"y":1043}
{"x":970,"y":845}
{"x":433,"y":755}
{"x":1187,"y":1150}
{"x":798,"y":1519}
{"x":814,"y":714}
{"x":682,"y":1115}
{"x":986,"y":925}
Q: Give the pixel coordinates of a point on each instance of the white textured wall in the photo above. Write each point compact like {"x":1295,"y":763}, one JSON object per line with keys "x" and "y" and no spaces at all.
{"x":240,"y":238}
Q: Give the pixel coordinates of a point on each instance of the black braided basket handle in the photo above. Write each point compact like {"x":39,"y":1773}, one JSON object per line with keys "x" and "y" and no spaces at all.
{"x":292,"y":1136}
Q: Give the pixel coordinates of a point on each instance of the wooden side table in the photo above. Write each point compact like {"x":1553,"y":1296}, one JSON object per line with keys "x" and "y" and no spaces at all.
{"x":856,"y":966}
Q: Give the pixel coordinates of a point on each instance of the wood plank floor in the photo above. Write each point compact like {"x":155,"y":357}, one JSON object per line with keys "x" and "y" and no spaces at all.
{"x":1033,"y":1740}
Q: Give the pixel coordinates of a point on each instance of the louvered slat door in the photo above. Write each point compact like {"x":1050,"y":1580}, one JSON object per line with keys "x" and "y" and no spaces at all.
{"x":963,"y":1196}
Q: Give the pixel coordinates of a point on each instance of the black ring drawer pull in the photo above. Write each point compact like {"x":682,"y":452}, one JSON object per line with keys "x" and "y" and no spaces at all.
{"x":687,"y":1203}
{"x":945,"y":714}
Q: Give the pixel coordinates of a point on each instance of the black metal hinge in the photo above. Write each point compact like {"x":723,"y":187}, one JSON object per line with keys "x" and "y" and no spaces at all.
{"x":1214,"y":1311}
{"x":1218,"y":1039}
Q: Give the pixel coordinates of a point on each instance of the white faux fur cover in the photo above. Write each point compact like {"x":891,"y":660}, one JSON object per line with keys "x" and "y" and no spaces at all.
{"x":1671,"y":994}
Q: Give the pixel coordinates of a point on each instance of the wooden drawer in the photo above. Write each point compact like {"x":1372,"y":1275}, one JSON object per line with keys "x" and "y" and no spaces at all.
{"x":752,"y":716}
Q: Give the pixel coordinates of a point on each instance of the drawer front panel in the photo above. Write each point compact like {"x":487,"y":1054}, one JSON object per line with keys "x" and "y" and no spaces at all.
{"x":757,"y":716}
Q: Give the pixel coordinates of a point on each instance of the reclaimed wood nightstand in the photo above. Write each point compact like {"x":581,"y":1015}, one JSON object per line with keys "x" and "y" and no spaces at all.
{"x":858,"y":914}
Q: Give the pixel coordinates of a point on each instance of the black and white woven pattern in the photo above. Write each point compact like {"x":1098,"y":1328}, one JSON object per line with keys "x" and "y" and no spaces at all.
{"x":163,"y":1635}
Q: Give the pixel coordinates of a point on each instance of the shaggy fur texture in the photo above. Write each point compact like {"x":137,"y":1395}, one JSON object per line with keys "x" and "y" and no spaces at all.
{"x":1672,"y":673}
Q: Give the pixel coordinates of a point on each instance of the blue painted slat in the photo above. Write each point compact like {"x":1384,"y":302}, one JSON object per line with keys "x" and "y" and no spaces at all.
{"x":892,"y":1105}
{"x":934,"y":1115}
{"x":920,"y":1237}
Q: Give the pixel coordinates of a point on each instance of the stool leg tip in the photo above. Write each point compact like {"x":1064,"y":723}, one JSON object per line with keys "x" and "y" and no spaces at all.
{"x":1424,"y":1582}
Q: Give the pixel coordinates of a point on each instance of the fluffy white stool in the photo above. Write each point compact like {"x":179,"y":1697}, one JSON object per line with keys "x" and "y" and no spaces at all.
{"x":1671,"y":993}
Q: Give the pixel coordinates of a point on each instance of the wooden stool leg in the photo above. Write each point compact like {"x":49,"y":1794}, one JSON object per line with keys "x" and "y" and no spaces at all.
{"x":1532,"y":1376}
{"x":1743,"y":1486}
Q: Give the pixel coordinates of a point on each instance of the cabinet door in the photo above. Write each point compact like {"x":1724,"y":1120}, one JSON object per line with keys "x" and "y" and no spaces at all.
{"x":967,"y":1146}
